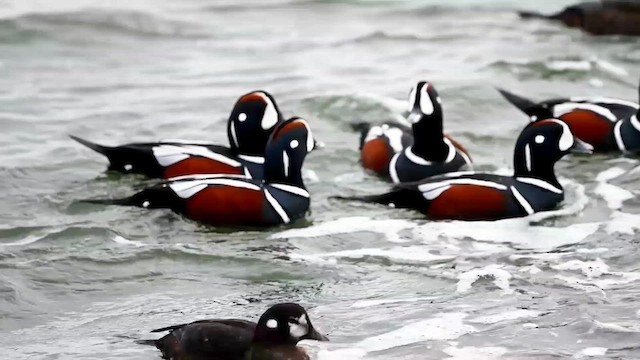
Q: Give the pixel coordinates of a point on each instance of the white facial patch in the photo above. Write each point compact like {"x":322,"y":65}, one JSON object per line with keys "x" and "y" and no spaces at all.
{"x":300,"y":329}
{"x":294,"y":144}
{"x":527,"y":156}
{"x":566,"y":139}
{"x":426,"y":105}
{"x":285,"y":163}
{"x":242,"y":117}
{"x":272,"y":324}
{"x":270,"y":117}
{"x":412,"y":98}
{"x":310,"y":140}
{"x":539,"y":139}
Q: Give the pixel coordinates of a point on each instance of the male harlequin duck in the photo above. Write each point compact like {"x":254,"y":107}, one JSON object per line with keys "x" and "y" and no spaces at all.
{"x":476,"y":196}
{"x":402,"y":153}
{"x":252,"y":120}
{"x":274,"y":337}
{"x":606,"y":124}
{"x":608,"y":17}
{"x":232,"y":200}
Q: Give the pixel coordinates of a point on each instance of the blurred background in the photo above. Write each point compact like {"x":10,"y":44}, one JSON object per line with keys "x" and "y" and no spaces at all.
{"x":83,"y":282}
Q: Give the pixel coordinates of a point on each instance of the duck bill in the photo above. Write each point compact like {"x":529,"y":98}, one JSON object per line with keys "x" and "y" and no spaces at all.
{"x":581,"y":147}
{"x":414,"y":116}
{"x":315,"y":335}
{"x":317,"y":145}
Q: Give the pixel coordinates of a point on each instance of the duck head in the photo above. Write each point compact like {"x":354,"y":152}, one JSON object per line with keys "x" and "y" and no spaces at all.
{"x":285,"y":324}
{"x":541,"y":145}
{"x":286,"y":150}
{"x":251,"y":122}
{"x":425,"y":116}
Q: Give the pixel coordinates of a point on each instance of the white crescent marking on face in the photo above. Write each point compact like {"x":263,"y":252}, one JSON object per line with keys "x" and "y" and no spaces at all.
{"x":187,"y":188}
{"x":234,"y":137}
{"x":527,"y":156}
{"x":270,"y":116}
{"x":412,"y":98}
{"x":310,"y":139}
{"x":566,"y":139}
{"x":426,"y":104}
{"x":277,"y":207}
{"x":539,"y":183}
{"x":523,"y":202}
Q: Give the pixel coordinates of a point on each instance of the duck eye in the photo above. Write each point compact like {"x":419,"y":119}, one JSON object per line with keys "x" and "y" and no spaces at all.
{"x":539,"y":139}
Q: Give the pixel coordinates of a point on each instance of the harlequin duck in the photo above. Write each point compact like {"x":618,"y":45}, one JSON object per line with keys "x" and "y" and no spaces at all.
{"x":606,"y":124}
{"x":274,"y":337}
{"x":477,"y":196}
{"x":232,"y":200}
{"x":609,"y":17}
{"x":252,"y":120}
{"x":390,"y":149}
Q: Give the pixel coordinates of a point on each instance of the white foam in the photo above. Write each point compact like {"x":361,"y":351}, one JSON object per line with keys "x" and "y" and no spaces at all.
{"x":371,"y":303}
{"x":609,"y":67}
{"x":475,"y":353}
{"x":513,"y":231}
{"x":596,"y":82}
{"x":564,"y":65}
{"x":625,"y":327}
{"x":311,"y":176}
{"x":341,"y":354}
{"x":411,"y":254}
{"x":500,"y":278}
{"x":590,"y":269}
{"x":505,"y":316}
{"x":591,"y":352}
{"x":623,"y":223}
{"x":614,"y":195}
{"x":121,"y":240}
{"x":389,"y":228}
{"x":447,"y":326}
{"x":25,"y":241}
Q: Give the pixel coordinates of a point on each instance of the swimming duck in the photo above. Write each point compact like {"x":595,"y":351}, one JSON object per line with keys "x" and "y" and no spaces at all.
{"x":605,"y":123}
{"x":479,"y":196}
{"x":232,"y":200}
{"x":274,"y":337}
{"x":392,"y":151}
{"x":250,"y":124}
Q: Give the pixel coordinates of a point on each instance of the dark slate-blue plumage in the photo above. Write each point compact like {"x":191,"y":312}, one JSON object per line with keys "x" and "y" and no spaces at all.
{"x":231,"y":200}
{"x":251,"y":122}
{"x":477,"y":196}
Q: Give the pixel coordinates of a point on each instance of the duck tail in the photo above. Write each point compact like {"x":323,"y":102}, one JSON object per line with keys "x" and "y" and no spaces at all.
{"x":532,"y":15}
{"x":156,"y":197}
{"x":104,"y":150}
{"x":362,"y":128}
{"x":384,"y":199}
{"x":147,"y":342}
{"x":525,"y":105}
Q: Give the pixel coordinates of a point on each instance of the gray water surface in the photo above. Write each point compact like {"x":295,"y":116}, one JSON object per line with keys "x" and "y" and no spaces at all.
{"x":83,"y":282}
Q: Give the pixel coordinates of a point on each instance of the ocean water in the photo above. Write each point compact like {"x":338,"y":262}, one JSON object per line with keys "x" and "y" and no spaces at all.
{"x":84,"y":282}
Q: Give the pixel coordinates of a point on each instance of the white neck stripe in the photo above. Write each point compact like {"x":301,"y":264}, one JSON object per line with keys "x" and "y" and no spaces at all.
{"x":523,"y":202}
{"x":277,"y":207}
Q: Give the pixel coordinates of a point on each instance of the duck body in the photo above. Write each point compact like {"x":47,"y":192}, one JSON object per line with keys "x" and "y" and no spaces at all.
{"x":273,"y":337}
{"x":419,"y":149}
{"x":250,"y":124}
{"x":236,"y":200}
{"x":606,"y":124}
{"x":473,"y":196}
{"x":608,"y":17}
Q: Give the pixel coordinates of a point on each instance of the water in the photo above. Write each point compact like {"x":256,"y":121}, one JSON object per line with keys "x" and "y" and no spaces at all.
{"x":82,"y":282}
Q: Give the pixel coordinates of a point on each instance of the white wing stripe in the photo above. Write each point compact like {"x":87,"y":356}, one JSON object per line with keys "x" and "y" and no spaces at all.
{"x":171,"y":154}
{"x":431,"y":186}
{"x":564,"y":108}
{"x":292,"y":189}
{"x":539,"y":183}
{"x":186,"y":189}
